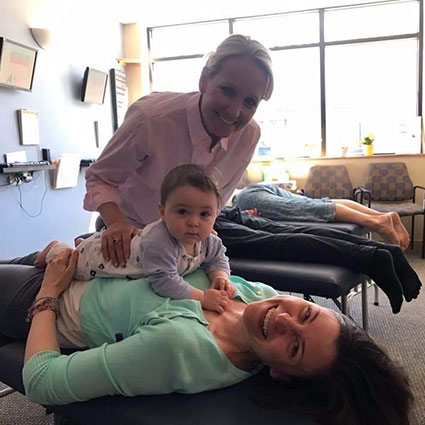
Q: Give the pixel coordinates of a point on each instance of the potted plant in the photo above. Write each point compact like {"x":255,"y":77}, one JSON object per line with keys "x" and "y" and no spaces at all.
{"x":367,"y":143}
{"x":344,"y":150}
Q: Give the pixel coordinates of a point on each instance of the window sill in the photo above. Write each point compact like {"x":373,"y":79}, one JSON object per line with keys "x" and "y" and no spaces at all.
{"x":325,"y":158}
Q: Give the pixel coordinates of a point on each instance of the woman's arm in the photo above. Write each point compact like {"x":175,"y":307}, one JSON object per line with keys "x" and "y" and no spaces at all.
{"x":164,"y":355}
{"x":42,"y":335}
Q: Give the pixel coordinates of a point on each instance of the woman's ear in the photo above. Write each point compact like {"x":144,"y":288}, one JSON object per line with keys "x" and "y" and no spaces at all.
{"x":203,"y":80}
{"x":161,"y":209}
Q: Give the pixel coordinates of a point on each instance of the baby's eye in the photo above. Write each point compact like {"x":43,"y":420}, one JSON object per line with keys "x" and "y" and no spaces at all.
{"x":251,"y":103}
{"x":181,"y":211}
{"x":205,"y":214}
{"x":295,"y":348}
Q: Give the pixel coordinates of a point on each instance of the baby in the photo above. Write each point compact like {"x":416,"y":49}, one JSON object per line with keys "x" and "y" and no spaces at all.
{"x":175,"y":245}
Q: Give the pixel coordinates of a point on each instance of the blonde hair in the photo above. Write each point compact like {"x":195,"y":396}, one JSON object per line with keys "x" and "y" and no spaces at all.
{"x":242,"y":45}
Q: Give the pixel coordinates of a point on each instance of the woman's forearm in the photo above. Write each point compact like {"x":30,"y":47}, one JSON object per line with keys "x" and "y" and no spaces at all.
{"x":57,"y":278}
{"x":42,"y":335}
{"x":111,"y":213}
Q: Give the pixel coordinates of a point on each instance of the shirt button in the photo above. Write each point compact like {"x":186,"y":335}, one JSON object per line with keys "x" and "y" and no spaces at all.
{"x":258,"y":292}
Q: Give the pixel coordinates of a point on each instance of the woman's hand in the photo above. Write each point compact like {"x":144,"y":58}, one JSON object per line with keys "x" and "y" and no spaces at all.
{"x":59,"y":273}
{"x":116,"y":242}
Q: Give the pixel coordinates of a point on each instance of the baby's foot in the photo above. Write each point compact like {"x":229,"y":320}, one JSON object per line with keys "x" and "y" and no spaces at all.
{"x":40,"y":261}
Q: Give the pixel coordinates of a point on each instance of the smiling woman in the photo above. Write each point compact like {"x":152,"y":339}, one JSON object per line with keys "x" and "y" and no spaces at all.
{"x":292,"y":336}
{"x":212,"y":127}
{"x":317,"y":357}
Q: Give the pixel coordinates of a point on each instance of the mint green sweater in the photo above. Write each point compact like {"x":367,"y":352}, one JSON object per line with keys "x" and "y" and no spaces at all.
{"x":167,"y":346}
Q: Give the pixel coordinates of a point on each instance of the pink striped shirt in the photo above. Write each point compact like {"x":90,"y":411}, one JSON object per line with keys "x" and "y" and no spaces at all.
{"x":160,"y":132}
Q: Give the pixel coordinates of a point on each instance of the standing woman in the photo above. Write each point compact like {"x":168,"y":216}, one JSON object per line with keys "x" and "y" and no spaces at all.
{"x":212,"y":127}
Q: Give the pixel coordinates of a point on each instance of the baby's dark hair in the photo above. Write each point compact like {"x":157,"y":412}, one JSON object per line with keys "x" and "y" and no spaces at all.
{"x":190,"y":175}
{"x":362,"y":386}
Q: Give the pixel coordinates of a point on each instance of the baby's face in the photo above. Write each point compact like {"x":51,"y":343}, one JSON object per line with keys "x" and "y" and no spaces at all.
{"x":189,"y":214}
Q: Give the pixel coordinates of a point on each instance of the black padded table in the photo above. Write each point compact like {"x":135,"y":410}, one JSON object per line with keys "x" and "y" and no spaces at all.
{"x":228,"y":406}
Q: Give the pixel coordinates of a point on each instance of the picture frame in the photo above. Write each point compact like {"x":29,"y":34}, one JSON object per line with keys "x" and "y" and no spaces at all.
{"x":17,"y":65}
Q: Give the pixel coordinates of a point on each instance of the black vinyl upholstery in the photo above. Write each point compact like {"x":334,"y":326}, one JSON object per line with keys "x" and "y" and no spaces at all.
{"x":228,"y":406}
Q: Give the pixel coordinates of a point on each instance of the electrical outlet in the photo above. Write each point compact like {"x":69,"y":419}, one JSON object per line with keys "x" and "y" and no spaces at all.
{"x":21,"y":177}
{"x":13,"y":179}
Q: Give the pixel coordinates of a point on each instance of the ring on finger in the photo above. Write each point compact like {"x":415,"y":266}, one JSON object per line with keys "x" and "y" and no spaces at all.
{"x":116,"y":241}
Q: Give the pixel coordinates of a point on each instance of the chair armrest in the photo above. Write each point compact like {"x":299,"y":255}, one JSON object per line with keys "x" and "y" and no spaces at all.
{"x":363,"y":194}
{"x":414,"y":191}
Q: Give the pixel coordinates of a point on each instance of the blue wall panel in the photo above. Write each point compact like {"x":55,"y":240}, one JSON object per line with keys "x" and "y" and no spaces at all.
{"x":66,"y":124}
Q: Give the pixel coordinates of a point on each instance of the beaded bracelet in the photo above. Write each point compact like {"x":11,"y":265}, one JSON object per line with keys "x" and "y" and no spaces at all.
{"x":42,"y":304}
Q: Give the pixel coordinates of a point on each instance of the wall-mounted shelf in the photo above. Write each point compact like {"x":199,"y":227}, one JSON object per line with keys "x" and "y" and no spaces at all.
{"x":86,"y":162}
{"x":126,"y":61}
{"x":6,"y":169}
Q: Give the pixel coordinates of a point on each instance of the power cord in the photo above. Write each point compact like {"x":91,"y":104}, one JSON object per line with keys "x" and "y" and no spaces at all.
{"x":20,"y":179}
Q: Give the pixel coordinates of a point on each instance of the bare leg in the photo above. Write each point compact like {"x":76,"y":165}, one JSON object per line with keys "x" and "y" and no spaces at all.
{"x":379,"y":223}
{"x":40,"y":261}
{"x":400,"y":229}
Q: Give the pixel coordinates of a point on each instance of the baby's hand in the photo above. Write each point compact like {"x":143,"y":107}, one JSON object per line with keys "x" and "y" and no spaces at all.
{"x":215,"y":300}
{"x":224,"y":284}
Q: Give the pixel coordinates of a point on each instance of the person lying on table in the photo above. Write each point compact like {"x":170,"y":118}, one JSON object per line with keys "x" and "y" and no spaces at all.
{"x":247,"y":236}
{"x":140,"y":343}
{"x":271,"y":201}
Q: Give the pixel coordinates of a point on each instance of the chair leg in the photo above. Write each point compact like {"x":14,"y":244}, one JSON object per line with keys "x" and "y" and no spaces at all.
{"x":344,"y":304}
{"x":423,"y":238}
{"x":412,"y":233}
{"x":365,"y":315}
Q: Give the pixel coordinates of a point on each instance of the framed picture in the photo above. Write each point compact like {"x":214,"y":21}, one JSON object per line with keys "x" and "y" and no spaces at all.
{"x":17,"y":65}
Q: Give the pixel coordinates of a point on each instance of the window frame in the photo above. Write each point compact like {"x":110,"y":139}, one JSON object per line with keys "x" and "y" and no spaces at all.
{"x":321,"y":44}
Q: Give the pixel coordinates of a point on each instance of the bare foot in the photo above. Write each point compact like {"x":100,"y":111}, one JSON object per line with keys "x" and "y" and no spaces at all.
{"x":40,"y":261}
{"x":383,"y":225}
{"x":401,"y":231}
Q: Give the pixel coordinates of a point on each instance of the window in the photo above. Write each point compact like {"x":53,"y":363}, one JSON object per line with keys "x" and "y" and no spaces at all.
{"x":290,"y":120}
{"x":372,"y":21}
{"x":359,"y":64}
{"x":187,"y":39}
{"x":177,"y":75}
{"x":371,"y":88}
{"x":290,"y":29}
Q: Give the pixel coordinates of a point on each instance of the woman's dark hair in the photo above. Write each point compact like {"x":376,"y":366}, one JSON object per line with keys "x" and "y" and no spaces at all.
{"x":363,"y":386}
{"x":190,"y":175}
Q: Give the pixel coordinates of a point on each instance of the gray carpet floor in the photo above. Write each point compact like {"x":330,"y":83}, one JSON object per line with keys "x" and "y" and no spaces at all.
{"x":403,"y":336}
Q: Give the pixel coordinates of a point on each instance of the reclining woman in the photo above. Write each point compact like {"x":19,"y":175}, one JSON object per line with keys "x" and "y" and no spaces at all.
{"x":275,"y":203}
{"x":141,"y":343}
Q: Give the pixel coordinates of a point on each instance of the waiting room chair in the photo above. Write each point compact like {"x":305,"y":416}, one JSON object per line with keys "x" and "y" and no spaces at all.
{"x":330,"y":181}
{"x":333,"y":181}
{"x":391,"y":189}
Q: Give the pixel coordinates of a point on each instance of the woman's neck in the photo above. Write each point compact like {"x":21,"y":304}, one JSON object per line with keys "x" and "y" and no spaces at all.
{"x":214,"y":139}
{"x":230,"y":334}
